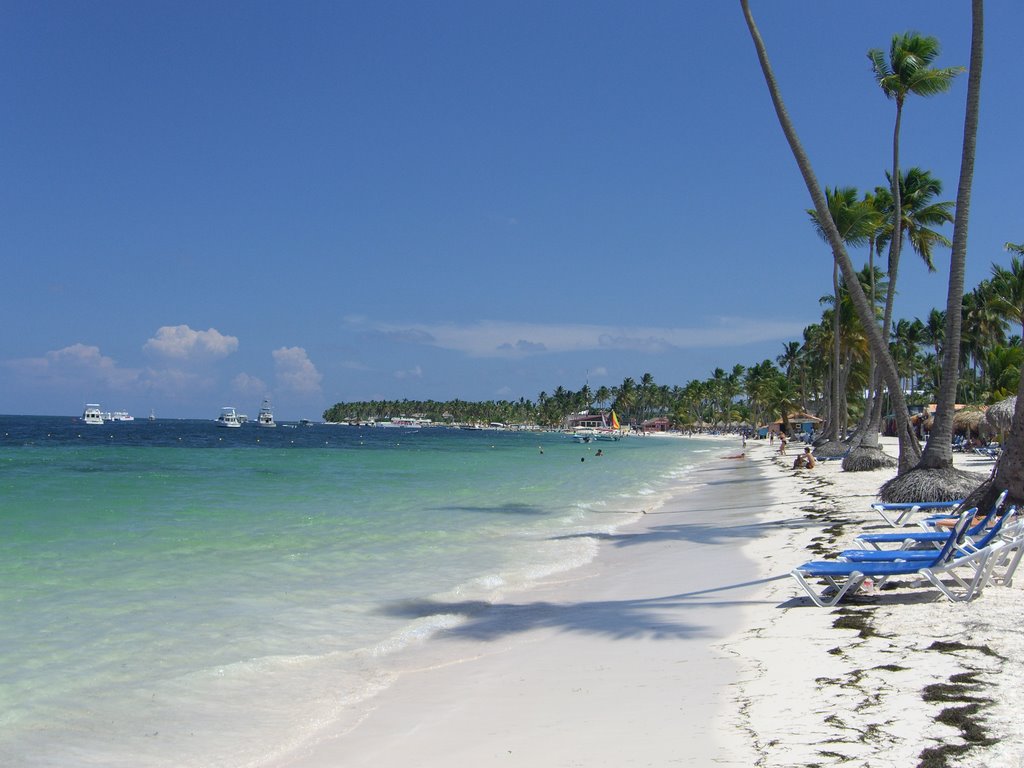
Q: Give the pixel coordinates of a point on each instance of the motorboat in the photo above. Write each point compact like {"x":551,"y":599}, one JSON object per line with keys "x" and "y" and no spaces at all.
{"x":92,"y":414}
{"x":266,"y":417}
{"x":228,"y":417}
{"x":121,"y":416}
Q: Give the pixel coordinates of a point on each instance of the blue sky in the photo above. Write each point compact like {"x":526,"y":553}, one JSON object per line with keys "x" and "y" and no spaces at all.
{"x":206,"y":203}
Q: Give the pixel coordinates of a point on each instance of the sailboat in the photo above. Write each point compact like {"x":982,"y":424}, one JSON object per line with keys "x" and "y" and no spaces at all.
{"x":266,"y":417}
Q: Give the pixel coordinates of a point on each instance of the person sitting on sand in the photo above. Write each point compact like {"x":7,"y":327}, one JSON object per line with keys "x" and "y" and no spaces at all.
{"x":805,"y":460}
{"x":736,"y":456}
{"x":809,"y":459}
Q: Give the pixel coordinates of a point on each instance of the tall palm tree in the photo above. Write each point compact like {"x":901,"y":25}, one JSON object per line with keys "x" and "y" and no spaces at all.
{"x":855,"y":221}
{"x":909,"y":448}
{"x":937,"y":458}
{"x":907,"y":71}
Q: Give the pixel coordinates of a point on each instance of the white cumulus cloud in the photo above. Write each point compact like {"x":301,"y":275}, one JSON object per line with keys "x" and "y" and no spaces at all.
{"x":74,"y":364}
{"x":295,"y":371}
{"x":180,"y":342}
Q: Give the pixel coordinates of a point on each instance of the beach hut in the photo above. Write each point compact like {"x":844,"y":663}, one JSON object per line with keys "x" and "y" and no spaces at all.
{"x":799,"y":423}
{"x":660,"y":424}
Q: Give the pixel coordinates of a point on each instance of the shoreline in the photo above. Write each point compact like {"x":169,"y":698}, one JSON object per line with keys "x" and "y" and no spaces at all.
{"x":612,"y":663}
{"x":685,"y":642}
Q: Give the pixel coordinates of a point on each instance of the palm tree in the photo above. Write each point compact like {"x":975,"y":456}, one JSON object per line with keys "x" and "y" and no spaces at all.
{"x":1008,"y":285}
{"x":917,"y":217}
{"x":936,"y":464}
{"x":626,"y":397}
{"x":855,"y":221}
{"x":919,"y":212}
{"x":909,"y":448}
{"x":907,"y":71}
{"x":935,"y":331}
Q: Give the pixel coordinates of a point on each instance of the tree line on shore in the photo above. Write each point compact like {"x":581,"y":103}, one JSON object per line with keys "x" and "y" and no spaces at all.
{"x":800,"y":379}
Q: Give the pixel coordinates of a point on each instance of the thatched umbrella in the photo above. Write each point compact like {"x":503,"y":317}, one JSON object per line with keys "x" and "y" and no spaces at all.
{"x":867,"y":459}
{"x":1000,"y":416}
{"x":968,"y":419}
{"x":831,"y":450}
{"x":947,"y":484}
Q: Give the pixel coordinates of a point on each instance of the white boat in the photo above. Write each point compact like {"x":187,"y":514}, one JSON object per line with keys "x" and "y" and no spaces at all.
{"x":152,"y":415}
{"x":406,"y":422}
{"x":589,"y":434}
{"x":228,"y":417}
{"x":92,"y":414}
{"x":121,"y":416}
{"x":266,"y":417}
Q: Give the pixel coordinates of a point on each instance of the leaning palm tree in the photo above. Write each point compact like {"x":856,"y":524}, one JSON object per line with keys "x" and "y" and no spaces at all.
{"x":909,"y":448}
{"x":934,"y":476}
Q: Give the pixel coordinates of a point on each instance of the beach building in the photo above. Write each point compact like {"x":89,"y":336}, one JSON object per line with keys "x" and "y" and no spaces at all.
{"x":799,"y":424}
{"x":588,"y":421}
{"x":660,"y":424}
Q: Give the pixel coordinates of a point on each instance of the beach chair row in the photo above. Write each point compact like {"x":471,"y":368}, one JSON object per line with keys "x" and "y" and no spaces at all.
{"x":959,"y":560}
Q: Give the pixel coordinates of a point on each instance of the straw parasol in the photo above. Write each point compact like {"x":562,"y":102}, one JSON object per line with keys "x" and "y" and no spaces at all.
{"x":1000,"y":416}
{"x":945,"y":484}
{"x":968,"y":419}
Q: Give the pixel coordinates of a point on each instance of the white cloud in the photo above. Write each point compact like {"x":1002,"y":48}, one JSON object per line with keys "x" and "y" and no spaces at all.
{"x":180,"y":342}
{"x":295,"y":371}
{"x":73,"y":364}
{"x":502,"y":339}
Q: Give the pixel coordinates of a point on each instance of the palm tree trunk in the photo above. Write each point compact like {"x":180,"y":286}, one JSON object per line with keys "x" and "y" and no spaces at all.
{"x":910,"y":450}
{"x":938,"y":452}
{"x":835,"y":413}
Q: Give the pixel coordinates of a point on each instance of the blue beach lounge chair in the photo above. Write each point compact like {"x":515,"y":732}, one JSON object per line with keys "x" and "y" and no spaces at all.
{"x":843,"y":577}
{"x":966,"y":546}
{"x":936,"y":537}
{"x":898,"y":515}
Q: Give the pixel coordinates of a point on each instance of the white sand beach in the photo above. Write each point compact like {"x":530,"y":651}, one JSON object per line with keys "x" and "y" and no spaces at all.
{"x":686,"y":643}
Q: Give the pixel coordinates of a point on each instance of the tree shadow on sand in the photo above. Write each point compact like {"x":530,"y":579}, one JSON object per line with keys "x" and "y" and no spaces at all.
{"x":697,"y":533}
{"x":657,"y":618}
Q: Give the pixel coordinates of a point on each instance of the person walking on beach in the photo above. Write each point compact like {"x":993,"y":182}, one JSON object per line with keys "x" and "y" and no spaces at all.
{"x":782,"y":443}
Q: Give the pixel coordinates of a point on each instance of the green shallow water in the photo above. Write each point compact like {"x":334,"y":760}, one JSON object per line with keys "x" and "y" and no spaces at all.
{"x":227,"y":591}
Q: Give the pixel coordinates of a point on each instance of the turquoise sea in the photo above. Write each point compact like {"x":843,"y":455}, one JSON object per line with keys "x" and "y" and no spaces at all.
{"x":177,"y":594}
